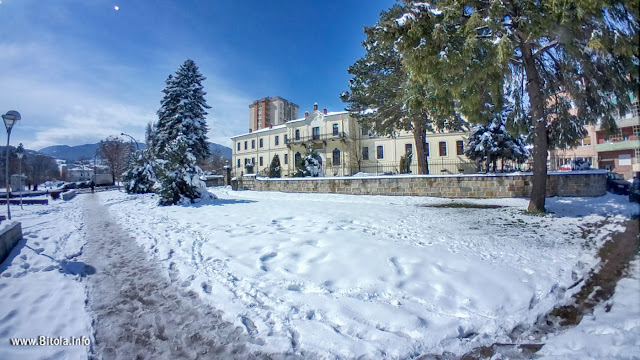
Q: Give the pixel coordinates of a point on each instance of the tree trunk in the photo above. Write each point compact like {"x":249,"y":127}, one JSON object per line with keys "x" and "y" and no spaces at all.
{"x":540,"y":140}
{"x":419,"y":139}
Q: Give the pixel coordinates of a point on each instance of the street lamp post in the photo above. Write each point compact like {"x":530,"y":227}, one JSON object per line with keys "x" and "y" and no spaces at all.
{"x":20,"y":154}
{"x":134,"y":140}
{"x":10,"y":119}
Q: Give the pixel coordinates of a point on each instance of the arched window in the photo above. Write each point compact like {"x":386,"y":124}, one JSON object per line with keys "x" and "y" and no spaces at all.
{"x":297,"y":158}
{"x":336,"y":157}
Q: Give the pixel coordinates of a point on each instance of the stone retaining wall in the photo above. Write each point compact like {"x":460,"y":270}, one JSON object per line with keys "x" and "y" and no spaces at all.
{"x":580,"y":183}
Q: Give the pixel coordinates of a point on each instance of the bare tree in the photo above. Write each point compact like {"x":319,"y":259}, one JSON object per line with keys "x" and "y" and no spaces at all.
{"x":40,"y":168}
{"x":214,"y":162}
{"x":114,"y":152}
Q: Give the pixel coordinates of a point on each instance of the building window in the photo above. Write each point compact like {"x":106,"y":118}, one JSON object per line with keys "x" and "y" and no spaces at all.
{"x":238,"y":146}
{"x":586,"y":141}
{"x":335,"y":129}
{"x":286,"y":159}
{"x":261,"y":162}
{"x":253,"y":144}
{"x":636,"y":131}
{"x":245,"y":145}
{"x":426,"y":149}
{"x":408,"y":149}
{"x":253,"y":161}
{"x":238,"y":162}
{"x":297,"y":134}
{"x":335,"y":159}
{"x":364,"y":131}
{"x":443,"y":148}
{"x":365,"y":153}
{"x":261,"y":143}
{"x":635,"y":108}
{"x":297,"y":158}
{"x":380,"y":152}
{"x":315,"y":133}
{"x":277,"y":140}
{"x":285,"y":138}
{"x":459,"y":147}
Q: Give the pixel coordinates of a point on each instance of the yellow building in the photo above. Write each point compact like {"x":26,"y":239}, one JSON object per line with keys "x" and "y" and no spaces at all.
{"x":345,"y":149}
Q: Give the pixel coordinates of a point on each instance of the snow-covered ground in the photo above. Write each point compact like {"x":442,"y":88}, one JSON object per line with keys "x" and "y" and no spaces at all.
{"x":383,"y":277}
{"x":41,"y":283}
{"x":331,"y":275}
{"x":611,"y":332}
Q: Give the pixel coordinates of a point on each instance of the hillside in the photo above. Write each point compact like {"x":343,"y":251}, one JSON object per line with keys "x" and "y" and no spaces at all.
{"x":88,"y":151}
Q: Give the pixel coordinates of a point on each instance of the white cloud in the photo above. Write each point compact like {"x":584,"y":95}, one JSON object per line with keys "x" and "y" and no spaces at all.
{"x":62,"y":101}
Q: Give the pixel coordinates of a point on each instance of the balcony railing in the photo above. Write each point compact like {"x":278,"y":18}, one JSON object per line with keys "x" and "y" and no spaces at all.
{"x":317,"y":138}
{"x":627,"y":143}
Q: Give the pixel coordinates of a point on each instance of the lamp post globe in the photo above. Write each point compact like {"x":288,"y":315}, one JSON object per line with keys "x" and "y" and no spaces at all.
{"x":10,"y":119}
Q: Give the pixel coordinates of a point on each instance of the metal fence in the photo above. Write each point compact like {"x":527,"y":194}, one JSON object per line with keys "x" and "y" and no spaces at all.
{"x":441,"y":167}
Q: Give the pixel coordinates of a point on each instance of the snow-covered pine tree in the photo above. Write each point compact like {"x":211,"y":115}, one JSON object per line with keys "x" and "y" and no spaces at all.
{"x":491,"y":142}
{"x":180,"y":176}
{"x":180,"y":137}
{"x":274,"y":168}
{"x":312,"y":163}
{"x":141,"y":176}
{"x":183,"y":111}
{"x":557,"y":65}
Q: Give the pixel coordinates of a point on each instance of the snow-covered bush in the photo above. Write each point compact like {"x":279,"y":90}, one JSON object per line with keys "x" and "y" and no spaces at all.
{"x":141,"y":177}
{"x":311,"y":165}
{"x":491,"y":142}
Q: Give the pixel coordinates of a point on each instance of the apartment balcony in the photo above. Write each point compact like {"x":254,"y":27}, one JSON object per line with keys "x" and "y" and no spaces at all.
{"x":628,"y":143}
{"x":318,"y":138}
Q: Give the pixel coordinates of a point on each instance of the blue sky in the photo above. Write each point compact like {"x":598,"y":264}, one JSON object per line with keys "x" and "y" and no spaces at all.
{"x":79,"y":70}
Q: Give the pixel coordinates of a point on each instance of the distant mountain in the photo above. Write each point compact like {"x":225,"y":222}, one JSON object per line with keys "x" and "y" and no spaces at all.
{"x":224,"y":151}
{"x":88,"y":151}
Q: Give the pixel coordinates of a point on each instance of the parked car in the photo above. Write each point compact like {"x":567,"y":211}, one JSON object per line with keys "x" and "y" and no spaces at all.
{"x":634,"y":190}
{"x":617,"y":184}
{"x":69,"y":186}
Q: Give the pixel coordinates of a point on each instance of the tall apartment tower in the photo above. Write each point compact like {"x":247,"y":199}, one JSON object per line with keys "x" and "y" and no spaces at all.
{"x":271,"y":111}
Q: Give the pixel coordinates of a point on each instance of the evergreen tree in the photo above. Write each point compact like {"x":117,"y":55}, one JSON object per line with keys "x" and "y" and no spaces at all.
{"x":488,"y":143}
{"x":141,"y":177}
{"x":274,"y":168}
{"x":178,"y":140}
{"x":556,"y":65}
{"x":182,"y":112}
{"x":405,"y":163}
{"x":310,"y":165}
{"x":383,"y":97}
{"x":179,"y":175}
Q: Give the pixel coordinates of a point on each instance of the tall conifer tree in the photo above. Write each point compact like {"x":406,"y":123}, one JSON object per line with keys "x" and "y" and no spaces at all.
{"x":556,"y":64}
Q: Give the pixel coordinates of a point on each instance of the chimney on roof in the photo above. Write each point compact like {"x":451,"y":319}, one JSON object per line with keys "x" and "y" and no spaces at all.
{"x":306,"y":114}
{"x":324,"y":111}
{"x":315,"y":107}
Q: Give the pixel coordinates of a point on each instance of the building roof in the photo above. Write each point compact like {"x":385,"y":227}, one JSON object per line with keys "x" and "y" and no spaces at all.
{"x":282,"y":126}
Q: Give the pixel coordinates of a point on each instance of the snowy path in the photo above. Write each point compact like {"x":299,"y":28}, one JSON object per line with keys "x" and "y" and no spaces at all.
{"x":139,"y":312}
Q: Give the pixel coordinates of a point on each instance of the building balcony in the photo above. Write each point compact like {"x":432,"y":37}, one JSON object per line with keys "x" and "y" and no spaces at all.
{"x":319,"y":138}
{"x":624,"y":144}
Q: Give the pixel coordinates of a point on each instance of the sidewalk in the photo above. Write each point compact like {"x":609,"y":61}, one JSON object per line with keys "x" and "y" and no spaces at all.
{"x":141,"y":313}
